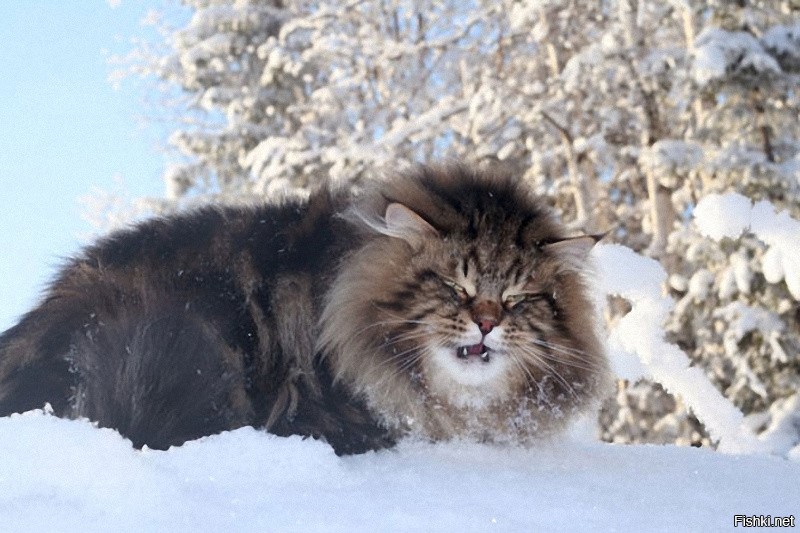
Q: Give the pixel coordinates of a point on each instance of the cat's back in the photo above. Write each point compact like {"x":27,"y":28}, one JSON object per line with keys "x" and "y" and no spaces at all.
{"x":208,"y":281}
{"x":206,"y":249}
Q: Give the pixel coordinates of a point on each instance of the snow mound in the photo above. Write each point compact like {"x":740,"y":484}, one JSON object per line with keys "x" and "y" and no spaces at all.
{"x":61,"y":475}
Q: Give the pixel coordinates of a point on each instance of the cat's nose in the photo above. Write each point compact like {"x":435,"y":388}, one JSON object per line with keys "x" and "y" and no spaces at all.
{"x":486,"y":314}
{"x":486,"y":325}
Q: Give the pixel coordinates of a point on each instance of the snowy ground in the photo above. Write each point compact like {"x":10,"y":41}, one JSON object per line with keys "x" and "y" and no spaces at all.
{"x":59,"y":475}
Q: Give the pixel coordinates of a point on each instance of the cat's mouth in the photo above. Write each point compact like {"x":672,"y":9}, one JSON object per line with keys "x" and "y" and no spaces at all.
{"x":479,"y":350}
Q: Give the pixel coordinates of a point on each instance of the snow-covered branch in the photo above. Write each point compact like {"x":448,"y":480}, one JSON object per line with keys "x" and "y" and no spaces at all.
{"x":638,"y":347}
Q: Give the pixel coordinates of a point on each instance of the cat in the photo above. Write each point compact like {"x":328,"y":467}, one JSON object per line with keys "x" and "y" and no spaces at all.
{"x":445,"y":302}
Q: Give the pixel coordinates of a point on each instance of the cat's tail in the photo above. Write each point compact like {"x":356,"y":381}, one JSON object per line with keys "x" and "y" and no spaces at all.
{"x":159,"y":374}
{"x":33,"y":366}
{"x":159,"y":379}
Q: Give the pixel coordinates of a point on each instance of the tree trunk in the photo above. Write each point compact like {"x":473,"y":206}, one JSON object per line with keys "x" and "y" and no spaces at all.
{"x":662,"y":214}
{"x":581,"y":186}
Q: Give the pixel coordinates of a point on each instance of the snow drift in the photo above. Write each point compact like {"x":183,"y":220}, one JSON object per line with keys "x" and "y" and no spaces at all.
{"x":61,"y":475}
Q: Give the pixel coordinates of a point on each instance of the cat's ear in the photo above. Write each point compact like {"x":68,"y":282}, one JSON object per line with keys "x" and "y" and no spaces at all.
{"x":405,"y":224}
{"x":574,"y":249}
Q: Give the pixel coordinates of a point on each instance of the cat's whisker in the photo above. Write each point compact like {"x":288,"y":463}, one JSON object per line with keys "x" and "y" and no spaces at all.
{"x":400,"y":357}
{"x":400,"y":369}
{"x":565,"y":362}
{"x":395,"y":316}
{"x":575,"y":358}
{"x":407,"y":336}
{"x":541,"y":359}
{"x":516,"y":360}
{"x":561,"y":348}
{"x":396,"y":322}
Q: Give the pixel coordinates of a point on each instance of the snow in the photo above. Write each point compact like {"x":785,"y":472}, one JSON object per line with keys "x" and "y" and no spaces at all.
{"x":637,"y":345}
{"x":742,"y":319}
{"x":742,"y":272}
{"x":784,"y":41}
{"x":719,"y":216}
{"x":61,"y":475}
{"x":781,"y":232}
{"x":672,"y":159}
{"x":728,"y":215}
{"x":700,"y":283}
{"x":719,"y":52}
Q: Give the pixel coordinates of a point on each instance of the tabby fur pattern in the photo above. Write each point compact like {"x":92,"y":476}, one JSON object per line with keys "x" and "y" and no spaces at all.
{"x":444,"y":303}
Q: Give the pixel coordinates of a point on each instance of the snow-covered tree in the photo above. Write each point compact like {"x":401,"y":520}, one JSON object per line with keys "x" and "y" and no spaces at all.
{"x":737,"y":314}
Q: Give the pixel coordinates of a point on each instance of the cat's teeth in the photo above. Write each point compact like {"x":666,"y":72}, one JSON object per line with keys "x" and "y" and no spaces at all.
{"x":465,"y":351}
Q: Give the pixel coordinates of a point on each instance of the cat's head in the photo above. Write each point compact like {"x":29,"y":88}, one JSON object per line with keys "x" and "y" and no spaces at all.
{"x":466,"y":295}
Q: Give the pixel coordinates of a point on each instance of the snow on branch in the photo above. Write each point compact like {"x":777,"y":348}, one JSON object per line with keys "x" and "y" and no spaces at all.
{"x":402,"y":129}
{"x":720,"y":53}
{"x":784,"y":43}
{"x":638,"y":348}
{"x":636,"y":343}
{"x":728,"y":215}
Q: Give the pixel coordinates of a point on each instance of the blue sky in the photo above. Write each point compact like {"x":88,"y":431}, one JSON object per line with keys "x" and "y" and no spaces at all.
{"x":64,"y":132}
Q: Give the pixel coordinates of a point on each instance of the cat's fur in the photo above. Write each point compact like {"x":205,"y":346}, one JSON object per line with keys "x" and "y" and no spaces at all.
{"x":445,"y":303}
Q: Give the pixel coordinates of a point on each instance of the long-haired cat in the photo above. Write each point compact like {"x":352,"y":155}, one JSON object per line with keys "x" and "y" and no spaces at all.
{"x":447,"y":302}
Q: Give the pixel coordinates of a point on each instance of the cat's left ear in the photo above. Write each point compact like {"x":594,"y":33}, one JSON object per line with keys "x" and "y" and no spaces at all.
{"x":574,"y":248}
{"x":405,"y":224}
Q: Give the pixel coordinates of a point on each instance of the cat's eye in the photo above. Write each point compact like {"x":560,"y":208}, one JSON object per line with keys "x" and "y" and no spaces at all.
{"x":510,"y":300}
{"x":459,"y":292}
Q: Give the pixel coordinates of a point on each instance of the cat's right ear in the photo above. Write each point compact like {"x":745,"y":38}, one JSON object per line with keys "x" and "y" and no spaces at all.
{"x":403,"y":223}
